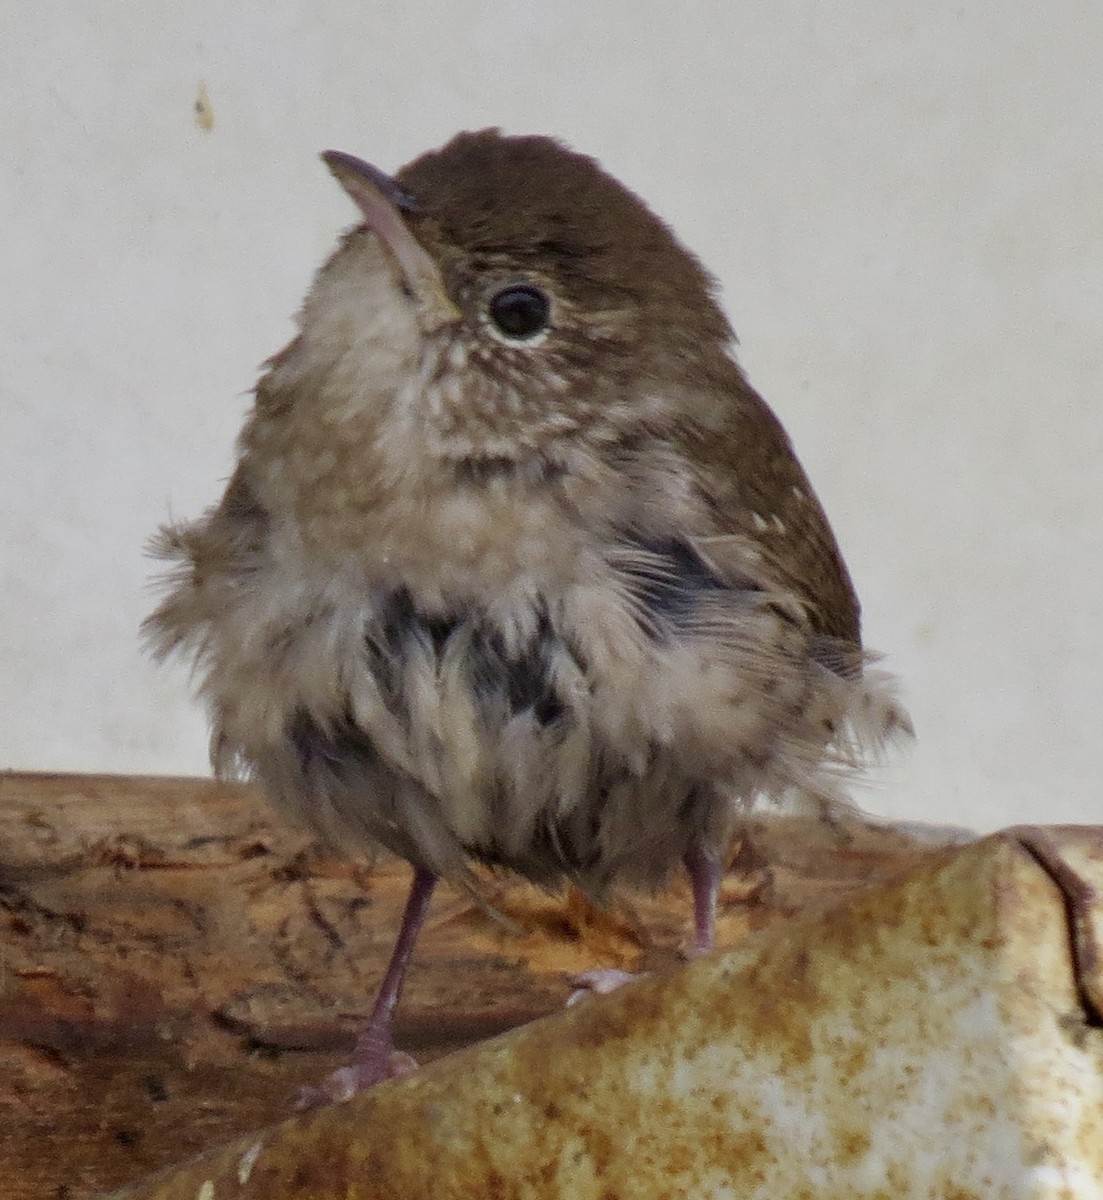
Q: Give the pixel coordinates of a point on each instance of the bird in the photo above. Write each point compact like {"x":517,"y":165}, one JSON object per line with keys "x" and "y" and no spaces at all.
{"x":515,"y":567}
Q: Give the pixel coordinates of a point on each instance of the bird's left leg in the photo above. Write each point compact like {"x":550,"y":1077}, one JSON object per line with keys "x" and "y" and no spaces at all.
{"x":703,"y":867}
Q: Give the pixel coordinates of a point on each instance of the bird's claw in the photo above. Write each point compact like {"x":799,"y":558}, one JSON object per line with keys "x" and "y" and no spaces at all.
{"x":358,"y":1076}
{"x":600,"y":981}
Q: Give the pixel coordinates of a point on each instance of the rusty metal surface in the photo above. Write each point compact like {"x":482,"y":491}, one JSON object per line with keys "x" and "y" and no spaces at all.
{"x":931,"y":1038}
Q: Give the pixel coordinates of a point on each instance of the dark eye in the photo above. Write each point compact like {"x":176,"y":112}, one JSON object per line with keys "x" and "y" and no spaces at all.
{"x":520,"y":311}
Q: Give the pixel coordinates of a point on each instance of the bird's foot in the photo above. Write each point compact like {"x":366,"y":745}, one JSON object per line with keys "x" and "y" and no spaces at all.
{"x":375,"y":1061}
{"x":600,"y":981}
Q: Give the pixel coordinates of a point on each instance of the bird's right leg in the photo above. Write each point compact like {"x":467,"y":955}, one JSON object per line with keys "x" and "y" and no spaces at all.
{"x":375,"y":1058}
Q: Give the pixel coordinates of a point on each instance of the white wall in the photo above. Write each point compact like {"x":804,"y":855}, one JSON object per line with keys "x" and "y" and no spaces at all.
{"x":902,"y":201}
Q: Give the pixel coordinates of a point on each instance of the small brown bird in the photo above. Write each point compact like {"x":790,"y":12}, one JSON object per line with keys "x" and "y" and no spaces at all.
{"x":515,"y":566}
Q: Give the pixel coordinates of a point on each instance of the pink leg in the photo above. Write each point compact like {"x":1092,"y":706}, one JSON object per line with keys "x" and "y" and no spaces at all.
{"x":375,"y":1057}
{"x":704,"y":874}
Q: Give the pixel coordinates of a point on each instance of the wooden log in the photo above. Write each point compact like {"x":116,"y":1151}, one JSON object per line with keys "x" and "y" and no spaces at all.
{"x":174,"y":963}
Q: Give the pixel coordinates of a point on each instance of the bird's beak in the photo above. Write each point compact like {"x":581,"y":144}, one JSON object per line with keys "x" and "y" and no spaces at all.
{"x":382,"y":202}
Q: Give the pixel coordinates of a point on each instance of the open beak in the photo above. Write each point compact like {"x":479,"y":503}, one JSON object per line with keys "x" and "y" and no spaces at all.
{"x":382,"y":202}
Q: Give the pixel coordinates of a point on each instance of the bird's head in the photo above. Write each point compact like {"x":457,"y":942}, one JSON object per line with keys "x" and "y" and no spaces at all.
{"x":507,"y":295}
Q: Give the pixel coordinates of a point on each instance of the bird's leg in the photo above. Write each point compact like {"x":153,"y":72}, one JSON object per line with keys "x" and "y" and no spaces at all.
{"x":703,"y":867}
{"x":704,"y":871}
{"x":374,"y":1043}
{"x":375,"y":1057}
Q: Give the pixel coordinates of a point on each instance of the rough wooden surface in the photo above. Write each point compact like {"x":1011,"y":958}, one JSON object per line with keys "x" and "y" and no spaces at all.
{"x":174,"y":964}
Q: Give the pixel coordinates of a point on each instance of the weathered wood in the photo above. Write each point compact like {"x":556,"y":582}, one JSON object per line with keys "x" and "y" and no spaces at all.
{"x":174,"y":963}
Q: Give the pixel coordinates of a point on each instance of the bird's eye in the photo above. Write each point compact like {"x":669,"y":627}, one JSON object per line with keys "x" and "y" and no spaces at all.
{"x":520,"y":311}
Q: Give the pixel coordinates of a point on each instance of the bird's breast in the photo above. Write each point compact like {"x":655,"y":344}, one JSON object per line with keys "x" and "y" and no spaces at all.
{"x":472,"y":680}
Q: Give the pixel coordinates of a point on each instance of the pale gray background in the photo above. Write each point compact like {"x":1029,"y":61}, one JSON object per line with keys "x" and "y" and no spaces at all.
{"x":901,"y":200}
